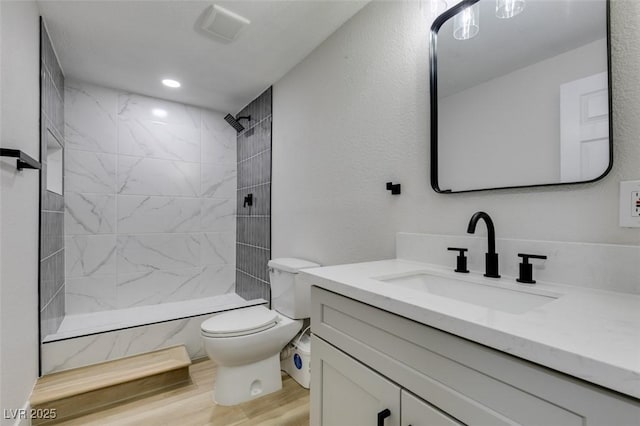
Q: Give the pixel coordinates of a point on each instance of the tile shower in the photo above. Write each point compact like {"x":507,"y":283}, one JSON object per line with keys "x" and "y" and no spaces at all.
{"x":150,"y":200}
{"x":151,"y":196}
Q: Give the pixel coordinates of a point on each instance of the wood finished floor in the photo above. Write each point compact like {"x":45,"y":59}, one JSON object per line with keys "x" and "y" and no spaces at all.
{"x":191,"y":405}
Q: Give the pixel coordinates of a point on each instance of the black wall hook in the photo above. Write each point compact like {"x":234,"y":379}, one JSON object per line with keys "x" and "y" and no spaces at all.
{"x":394,"y":188}
{"x":248,"y":200}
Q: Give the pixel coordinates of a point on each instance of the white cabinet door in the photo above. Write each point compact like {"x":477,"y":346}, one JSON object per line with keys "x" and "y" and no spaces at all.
{"x":345,"y":392}
{"x":416,"y":412}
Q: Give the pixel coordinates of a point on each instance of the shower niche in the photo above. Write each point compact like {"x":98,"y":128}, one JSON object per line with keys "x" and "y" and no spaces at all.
{"x":54,"y":164}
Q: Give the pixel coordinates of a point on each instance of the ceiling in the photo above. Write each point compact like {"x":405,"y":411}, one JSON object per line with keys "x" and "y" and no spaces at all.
{"x":133,"y":45}
{"x":545,"y":28}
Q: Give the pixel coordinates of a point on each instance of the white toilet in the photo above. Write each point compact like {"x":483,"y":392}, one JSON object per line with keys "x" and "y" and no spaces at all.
{"x":246,"y":343}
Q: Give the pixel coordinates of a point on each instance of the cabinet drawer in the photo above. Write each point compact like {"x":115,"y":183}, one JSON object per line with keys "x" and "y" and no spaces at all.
{"x":471,"y":382}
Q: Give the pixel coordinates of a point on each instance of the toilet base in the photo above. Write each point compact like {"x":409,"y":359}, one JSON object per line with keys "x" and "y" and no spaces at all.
{"x":235,"y":385}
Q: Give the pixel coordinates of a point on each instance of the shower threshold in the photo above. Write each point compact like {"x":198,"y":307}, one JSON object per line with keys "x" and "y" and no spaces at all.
{"x":78,"y":325}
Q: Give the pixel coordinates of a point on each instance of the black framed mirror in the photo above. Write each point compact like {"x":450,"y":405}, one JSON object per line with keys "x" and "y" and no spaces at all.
{"x":520,"y":94}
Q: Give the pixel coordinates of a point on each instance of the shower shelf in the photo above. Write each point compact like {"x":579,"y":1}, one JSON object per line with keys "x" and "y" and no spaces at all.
{"x":24,"y":160}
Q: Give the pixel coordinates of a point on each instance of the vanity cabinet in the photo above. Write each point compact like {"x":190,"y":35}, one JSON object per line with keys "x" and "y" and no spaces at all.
{"x":353,"y":394}
{"x":366,"y":360}
{"x":416,"y":412}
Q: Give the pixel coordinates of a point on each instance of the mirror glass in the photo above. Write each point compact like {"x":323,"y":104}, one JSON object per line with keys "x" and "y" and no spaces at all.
{"x":519,"y":94}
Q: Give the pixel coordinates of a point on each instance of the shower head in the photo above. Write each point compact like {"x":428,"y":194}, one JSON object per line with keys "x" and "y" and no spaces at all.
{"x":235,"y":122}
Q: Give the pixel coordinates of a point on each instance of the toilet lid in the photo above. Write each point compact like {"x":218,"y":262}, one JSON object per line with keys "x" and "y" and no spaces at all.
{"x":240,"y":322}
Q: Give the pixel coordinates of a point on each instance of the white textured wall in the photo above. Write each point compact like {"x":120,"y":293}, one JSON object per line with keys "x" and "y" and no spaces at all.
{"x":19,"y":98}
{"x":1,"y":287}
{"x":150,"y":197}
{"x":354,"y":114}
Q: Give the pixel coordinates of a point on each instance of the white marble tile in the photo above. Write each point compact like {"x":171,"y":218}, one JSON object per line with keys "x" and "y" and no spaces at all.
{"x":139,"y":253}
{"x":145,"y":176}
{"x":89,"y":172}
{"x":138,"y":107}
{"x":90,"y":117}
{"x":218,"y":139}
{"x":219,"y":180}
{"x":218,"y":214}
{"x":88,"y":255}
{"x":155,"y":139}
{"x":163,"y":208}
{"x":80,"y":351}
{"x":181,"y":332}
{"x":140,"y":214}
{"x":89,"y":213}
{"x":218,"y":248}
{"x":156,"y":287}
{"x":153,"y":287}
{"x":90,"y":294}
{"x":67,"y":354}
{"x":219,"y":279}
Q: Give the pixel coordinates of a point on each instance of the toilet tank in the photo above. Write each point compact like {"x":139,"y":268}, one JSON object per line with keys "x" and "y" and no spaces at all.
{"x":289,"y":295}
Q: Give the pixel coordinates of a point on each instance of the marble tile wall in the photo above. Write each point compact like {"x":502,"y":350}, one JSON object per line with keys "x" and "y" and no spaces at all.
{"x":150,"y":200}
{"x":96,"y":348}
{"x":52,"y":253}
{"x":253,"y":239}
{"x":132,"y":339}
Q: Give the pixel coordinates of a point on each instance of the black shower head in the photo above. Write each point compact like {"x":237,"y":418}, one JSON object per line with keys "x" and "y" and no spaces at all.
{"x":235,"y":123}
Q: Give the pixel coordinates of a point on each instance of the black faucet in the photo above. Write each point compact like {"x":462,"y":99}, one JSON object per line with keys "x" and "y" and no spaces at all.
{"x":491,"y":258}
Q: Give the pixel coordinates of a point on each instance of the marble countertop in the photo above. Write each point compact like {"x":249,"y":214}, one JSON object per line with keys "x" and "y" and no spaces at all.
{"x":590,"y":334}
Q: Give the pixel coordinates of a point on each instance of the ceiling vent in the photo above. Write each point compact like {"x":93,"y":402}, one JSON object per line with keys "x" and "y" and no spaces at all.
{"x":221,"y":23}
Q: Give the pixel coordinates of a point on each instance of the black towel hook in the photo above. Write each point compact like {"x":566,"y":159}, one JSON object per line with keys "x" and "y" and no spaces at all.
{"x":394,"y":188}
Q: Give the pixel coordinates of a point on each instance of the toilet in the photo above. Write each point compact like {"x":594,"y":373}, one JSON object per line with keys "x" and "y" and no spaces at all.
{"x":245,"y":343}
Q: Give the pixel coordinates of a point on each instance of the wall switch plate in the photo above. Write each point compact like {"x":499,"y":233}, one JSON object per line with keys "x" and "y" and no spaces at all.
{"x":630,"y":204}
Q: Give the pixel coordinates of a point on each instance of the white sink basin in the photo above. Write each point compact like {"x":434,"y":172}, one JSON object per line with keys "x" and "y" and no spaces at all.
{"x":514,"y":301}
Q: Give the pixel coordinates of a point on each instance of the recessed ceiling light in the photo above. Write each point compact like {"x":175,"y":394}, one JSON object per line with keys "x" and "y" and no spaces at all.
{"x":171,"y":83}
{"x":158,"y":112}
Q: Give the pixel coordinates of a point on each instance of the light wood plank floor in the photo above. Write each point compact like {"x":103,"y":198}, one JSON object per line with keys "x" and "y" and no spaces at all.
{"x":191,"y":405}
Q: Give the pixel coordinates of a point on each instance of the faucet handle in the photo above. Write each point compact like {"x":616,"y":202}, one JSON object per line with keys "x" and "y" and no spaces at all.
{"x":461,"y":265}
{"x":526,"y":269}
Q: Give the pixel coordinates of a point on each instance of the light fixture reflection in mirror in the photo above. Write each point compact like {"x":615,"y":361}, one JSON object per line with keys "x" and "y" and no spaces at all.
{"x":466,"y":24}
{"x":506,"y":9}
{"x":159,"y":112}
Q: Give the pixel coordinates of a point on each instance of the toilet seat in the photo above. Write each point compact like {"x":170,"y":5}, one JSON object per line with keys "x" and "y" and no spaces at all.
{"x":240,"y":322}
